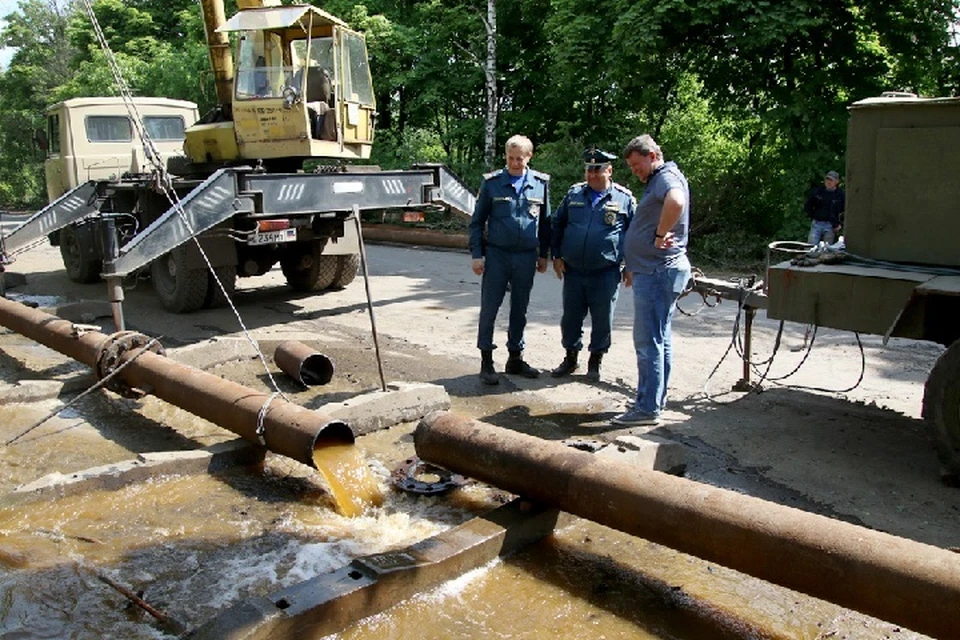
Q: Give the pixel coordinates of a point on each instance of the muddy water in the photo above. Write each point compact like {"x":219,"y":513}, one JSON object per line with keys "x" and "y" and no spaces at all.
{"x":352,"y":486}
{"x":196,"y":545}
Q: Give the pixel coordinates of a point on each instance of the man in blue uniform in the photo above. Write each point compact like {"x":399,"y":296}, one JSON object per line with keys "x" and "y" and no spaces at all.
{"x":587,"y":249}
{"x":509,"y":241}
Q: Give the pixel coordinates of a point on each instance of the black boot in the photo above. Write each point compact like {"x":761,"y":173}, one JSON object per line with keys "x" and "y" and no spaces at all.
{"x":516,"y":366}
{"x":487,"y":373}
{"x":568,"y":366}
{"x":593,"y":367}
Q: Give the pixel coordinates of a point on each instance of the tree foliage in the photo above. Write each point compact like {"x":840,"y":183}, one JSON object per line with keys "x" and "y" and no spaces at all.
{"x":749,"y":96}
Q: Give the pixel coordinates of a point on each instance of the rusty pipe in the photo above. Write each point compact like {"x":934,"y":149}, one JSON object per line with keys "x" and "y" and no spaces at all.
{"x":396,"y":234}
{"x":263,"y":418}
{"x":303,"y":363}
{"x":892,"y":578}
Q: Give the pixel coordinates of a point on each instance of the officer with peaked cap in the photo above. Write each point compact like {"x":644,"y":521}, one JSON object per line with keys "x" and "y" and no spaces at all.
{"x":509,"y":241}
{"x":587,"y":248}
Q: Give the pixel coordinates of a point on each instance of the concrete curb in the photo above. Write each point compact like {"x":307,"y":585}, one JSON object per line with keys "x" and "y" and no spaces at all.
{"x":145,"y":466}
{"x":402,"y":402}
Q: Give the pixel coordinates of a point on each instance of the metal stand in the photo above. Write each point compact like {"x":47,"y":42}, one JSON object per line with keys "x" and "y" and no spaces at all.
{"x":743,"y":384}
{"x":366,"y":284}
{"x":111,"y":252}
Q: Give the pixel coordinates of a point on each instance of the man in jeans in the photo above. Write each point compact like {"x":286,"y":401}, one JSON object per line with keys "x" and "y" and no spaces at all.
{"x":825,"y":206}
{"x":657,"y":269}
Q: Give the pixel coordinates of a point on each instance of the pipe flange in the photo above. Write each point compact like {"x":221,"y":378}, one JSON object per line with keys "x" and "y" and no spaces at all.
{"x":416,"y":476}
{"x":111,"y":353}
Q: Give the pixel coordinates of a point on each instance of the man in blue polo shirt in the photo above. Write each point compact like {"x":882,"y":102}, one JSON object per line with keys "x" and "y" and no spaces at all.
{"x":658,"y":271}
{"x":587,"y":248}
{"x":509,"y":242}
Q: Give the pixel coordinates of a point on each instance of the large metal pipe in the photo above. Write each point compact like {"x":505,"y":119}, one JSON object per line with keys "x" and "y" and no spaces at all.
{"x":396,"y":234}
{"x":303,"y":363}
{"x":902,"y":581}
{"x":260,"y":417}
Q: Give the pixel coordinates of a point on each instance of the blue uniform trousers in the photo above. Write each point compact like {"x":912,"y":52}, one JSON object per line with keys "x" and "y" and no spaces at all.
{"x":593,"y":291}
{"x":501,"y":267}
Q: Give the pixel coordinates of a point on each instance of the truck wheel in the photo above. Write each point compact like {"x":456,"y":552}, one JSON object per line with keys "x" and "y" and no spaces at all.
{"x":346,"y":270}
{"x":228,"y":276}
{"x":180,"y":289}
{"x":306,"y":268}
{"x":941,"y":407}
{"x":76,"y":256}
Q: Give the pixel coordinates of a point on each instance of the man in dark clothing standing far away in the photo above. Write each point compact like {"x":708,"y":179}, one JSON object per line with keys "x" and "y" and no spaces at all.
{"x":825,"y":206}
{"x":509,"y":241}
{"x":657,"y":270}
{"x":587,"y":248}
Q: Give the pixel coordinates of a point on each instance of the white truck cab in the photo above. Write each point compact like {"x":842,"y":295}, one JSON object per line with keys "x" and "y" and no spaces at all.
{"x":95,"y":138}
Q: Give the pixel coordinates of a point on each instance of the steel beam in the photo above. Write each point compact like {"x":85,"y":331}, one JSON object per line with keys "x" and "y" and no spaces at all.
{"x":331,"y":602}
{"x":894,"y":579}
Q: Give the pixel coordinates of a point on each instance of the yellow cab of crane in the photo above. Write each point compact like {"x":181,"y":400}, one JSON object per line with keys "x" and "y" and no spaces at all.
{"x":301,"y":87}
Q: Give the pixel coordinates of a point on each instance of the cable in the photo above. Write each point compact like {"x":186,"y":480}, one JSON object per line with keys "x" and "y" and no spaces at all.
{"x":165,"y":182}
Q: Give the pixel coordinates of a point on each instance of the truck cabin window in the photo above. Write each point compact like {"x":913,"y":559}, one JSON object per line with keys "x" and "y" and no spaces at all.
{"x":320,"y":69}
{"x":356,"y":85}
{"x":108,"y":129}
{"x":260,"y":69}
{"x":164,"y":127}
{"x":53,"y":133}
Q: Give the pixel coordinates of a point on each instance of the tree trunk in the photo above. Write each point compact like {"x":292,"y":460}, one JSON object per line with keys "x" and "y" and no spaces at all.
{"x":490,"y":76}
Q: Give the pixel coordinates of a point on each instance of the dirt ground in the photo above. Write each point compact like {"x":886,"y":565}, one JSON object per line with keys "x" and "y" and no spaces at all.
{"x":815,"y":440}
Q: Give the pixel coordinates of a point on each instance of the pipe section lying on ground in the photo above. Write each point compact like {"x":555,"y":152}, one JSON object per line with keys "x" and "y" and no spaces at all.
{"x":303,"y":363}
{"x":414,"y":236}
{"x":894,"y":579}
{"x":286,"y":428}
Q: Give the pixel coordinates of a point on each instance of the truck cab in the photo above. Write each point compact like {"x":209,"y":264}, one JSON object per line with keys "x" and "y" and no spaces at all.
{"x":95,"y":138}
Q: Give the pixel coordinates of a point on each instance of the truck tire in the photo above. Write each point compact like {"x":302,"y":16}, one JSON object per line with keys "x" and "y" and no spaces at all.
{"x":76,"y":255}
{"x":180,"y":289}
{"x":228,"y":276}
{"x":941,"y":407}
{"x":306,"y":268}
{"x":346,"y":270}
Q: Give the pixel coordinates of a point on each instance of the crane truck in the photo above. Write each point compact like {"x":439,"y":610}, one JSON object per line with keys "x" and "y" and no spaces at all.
{"x":298,"y":88}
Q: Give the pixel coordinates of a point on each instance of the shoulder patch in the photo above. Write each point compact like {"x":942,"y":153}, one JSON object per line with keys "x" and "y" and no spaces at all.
{"x":540,"y":175}
{"x":620,"y":187}
{"x":492,"y":174}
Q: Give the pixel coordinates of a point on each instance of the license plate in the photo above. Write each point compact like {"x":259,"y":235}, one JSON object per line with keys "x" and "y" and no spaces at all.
{"x":271,"y":237}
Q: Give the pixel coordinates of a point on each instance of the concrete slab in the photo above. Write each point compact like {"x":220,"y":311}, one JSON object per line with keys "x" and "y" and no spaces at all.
{"x":647,"y":452}
{"x":144,"y":467}
{"x":23,"y":391}
{"x":402,"y":402}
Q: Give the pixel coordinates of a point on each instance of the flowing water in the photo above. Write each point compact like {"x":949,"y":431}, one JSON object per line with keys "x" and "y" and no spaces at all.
{"x":193,"y":545}
{"x":353,"y":487}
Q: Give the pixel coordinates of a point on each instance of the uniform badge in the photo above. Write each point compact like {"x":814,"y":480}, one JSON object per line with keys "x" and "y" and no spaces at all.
{"x":611,"y":209}
{"x":534,"y":210}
